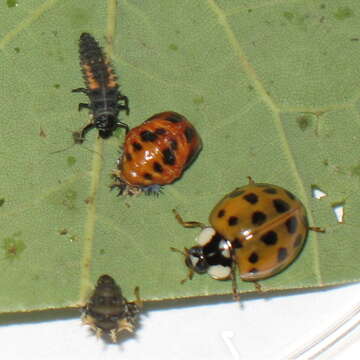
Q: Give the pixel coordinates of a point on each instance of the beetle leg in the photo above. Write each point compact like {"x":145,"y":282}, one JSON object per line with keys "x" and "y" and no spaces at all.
{"x":190,"y":271}
{"x":138,"y":302}
{"x":316,"y":229}
{"x":187,"y":224}
{"x":251,"y":180}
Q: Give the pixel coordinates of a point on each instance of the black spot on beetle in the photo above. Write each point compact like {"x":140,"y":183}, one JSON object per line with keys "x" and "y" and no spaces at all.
{"x":237,"y":243}
{"x":189,"y":134}
{"x":281,"y":206}
{"x":148,"y":136}
{"x":157,"y":167}
{"x":258,"y":218}
{"x":236,"y":193}
{"x":251,"y":198}
{"x":270,"y":190}
{"x":174,"y":144}
{"x":291,"y":224}
{"x":169,"y":157}
{"x":298,"y":241}
{"x":174,"y":118}
{"x":282,"y":254}
{"x":148,"y":176}
{"x":136,"y":146}
{"x":160,"y":131}
{"x":290,"y":195}
{"x":233,"y":220}
{"x":269,"y":238}
{"x":221,"y":213}
{"x":253,"y":258}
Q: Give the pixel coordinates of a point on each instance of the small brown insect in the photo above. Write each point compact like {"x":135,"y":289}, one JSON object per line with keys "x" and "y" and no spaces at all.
{"x":108,"y":312}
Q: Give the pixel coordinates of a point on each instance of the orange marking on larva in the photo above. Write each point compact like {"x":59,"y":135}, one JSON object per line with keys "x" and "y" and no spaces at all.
{"x":90,"y":79}
{"x":112,"y":83}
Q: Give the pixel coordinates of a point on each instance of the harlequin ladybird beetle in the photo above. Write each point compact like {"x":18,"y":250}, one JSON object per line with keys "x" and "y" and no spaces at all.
{"x":260,"y":228}
{"x":156,"y":153}
{"x":101,"y":88}
{"x":108,"y":312}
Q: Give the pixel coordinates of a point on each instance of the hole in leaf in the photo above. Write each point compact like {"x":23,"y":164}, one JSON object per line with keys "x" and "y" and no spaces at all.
{"x":339,"y":211}
{"x":317,"y":193}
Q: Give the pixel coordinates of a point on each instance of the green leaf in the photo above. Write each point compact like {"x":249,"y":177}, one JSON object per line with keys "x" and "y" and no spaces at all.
{"x":272,"y":87}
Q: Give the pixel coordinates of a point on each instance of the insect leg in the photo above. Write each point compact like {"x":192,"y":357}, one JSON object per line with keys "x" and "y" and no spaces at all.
{"x":123,"y":125}
{"x":79,"y":136}
{"x":188,"y":224}
{"x":126,"y":106}
{"x":316,"y":229}
{"x":138,"y":302}
{"x":84,"y":106}
{"x":82,"y":90}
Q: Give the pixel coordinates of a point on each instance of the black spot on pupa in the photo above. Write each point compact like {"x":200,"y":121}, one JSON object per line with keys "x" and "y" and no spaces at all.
{"x":270,"y":190}
{"x":174,"y":144}
{"x":298,"y":241}
{"x":128,"y":156}
{"x":291,"y":224}
{"x":258,"y":218}
{"x":251,"y":198}
{"x":136,"y":146}
{"x":282,"y":254}
{"x":148,"y":176}
{"x":233,"y":220}
{"x":236,"y":193}
{"x":174,"y":118}
{"x":290,"y":195}
{"x":157,"y":167}
{"x":281,"y":206}
{"x":270,"y":238}
{"x":148,"y":136}
{"x":221,"y":213}
{"x":160,"y":131}
{"x":189,"y":134}
{"x":169,"y":157}
{"x":253,"y":258}
{"x":237,"y":243}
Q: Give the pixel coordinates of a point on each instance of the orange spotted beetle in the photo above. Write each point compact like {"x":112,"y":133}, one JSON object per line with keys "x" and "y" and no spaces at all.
{"x":258,"y":228}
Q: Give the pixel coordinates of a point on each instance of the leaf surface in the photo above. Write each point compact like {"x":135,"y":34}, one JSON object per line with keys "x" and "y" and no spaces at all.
{"x":272,"y":87}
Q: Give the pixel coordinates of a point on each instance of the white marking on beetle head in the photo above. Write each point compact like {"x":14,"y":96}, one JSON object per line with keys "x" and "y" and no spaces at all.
{"x":224,"y":247}
{"x":205,"y":236}
{"x":219,"y":272}
{"x":194,"y":260}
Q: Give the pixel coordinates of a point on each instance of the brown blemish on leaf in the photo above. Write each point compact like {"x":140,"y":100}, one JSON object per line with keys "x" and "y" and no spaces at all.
{"x":13,"y":246}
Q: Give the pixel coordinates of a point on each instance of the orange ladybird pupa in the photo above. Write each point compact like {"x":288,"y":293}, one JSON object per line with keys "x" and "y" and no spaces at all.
{"x":156,"y":153}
